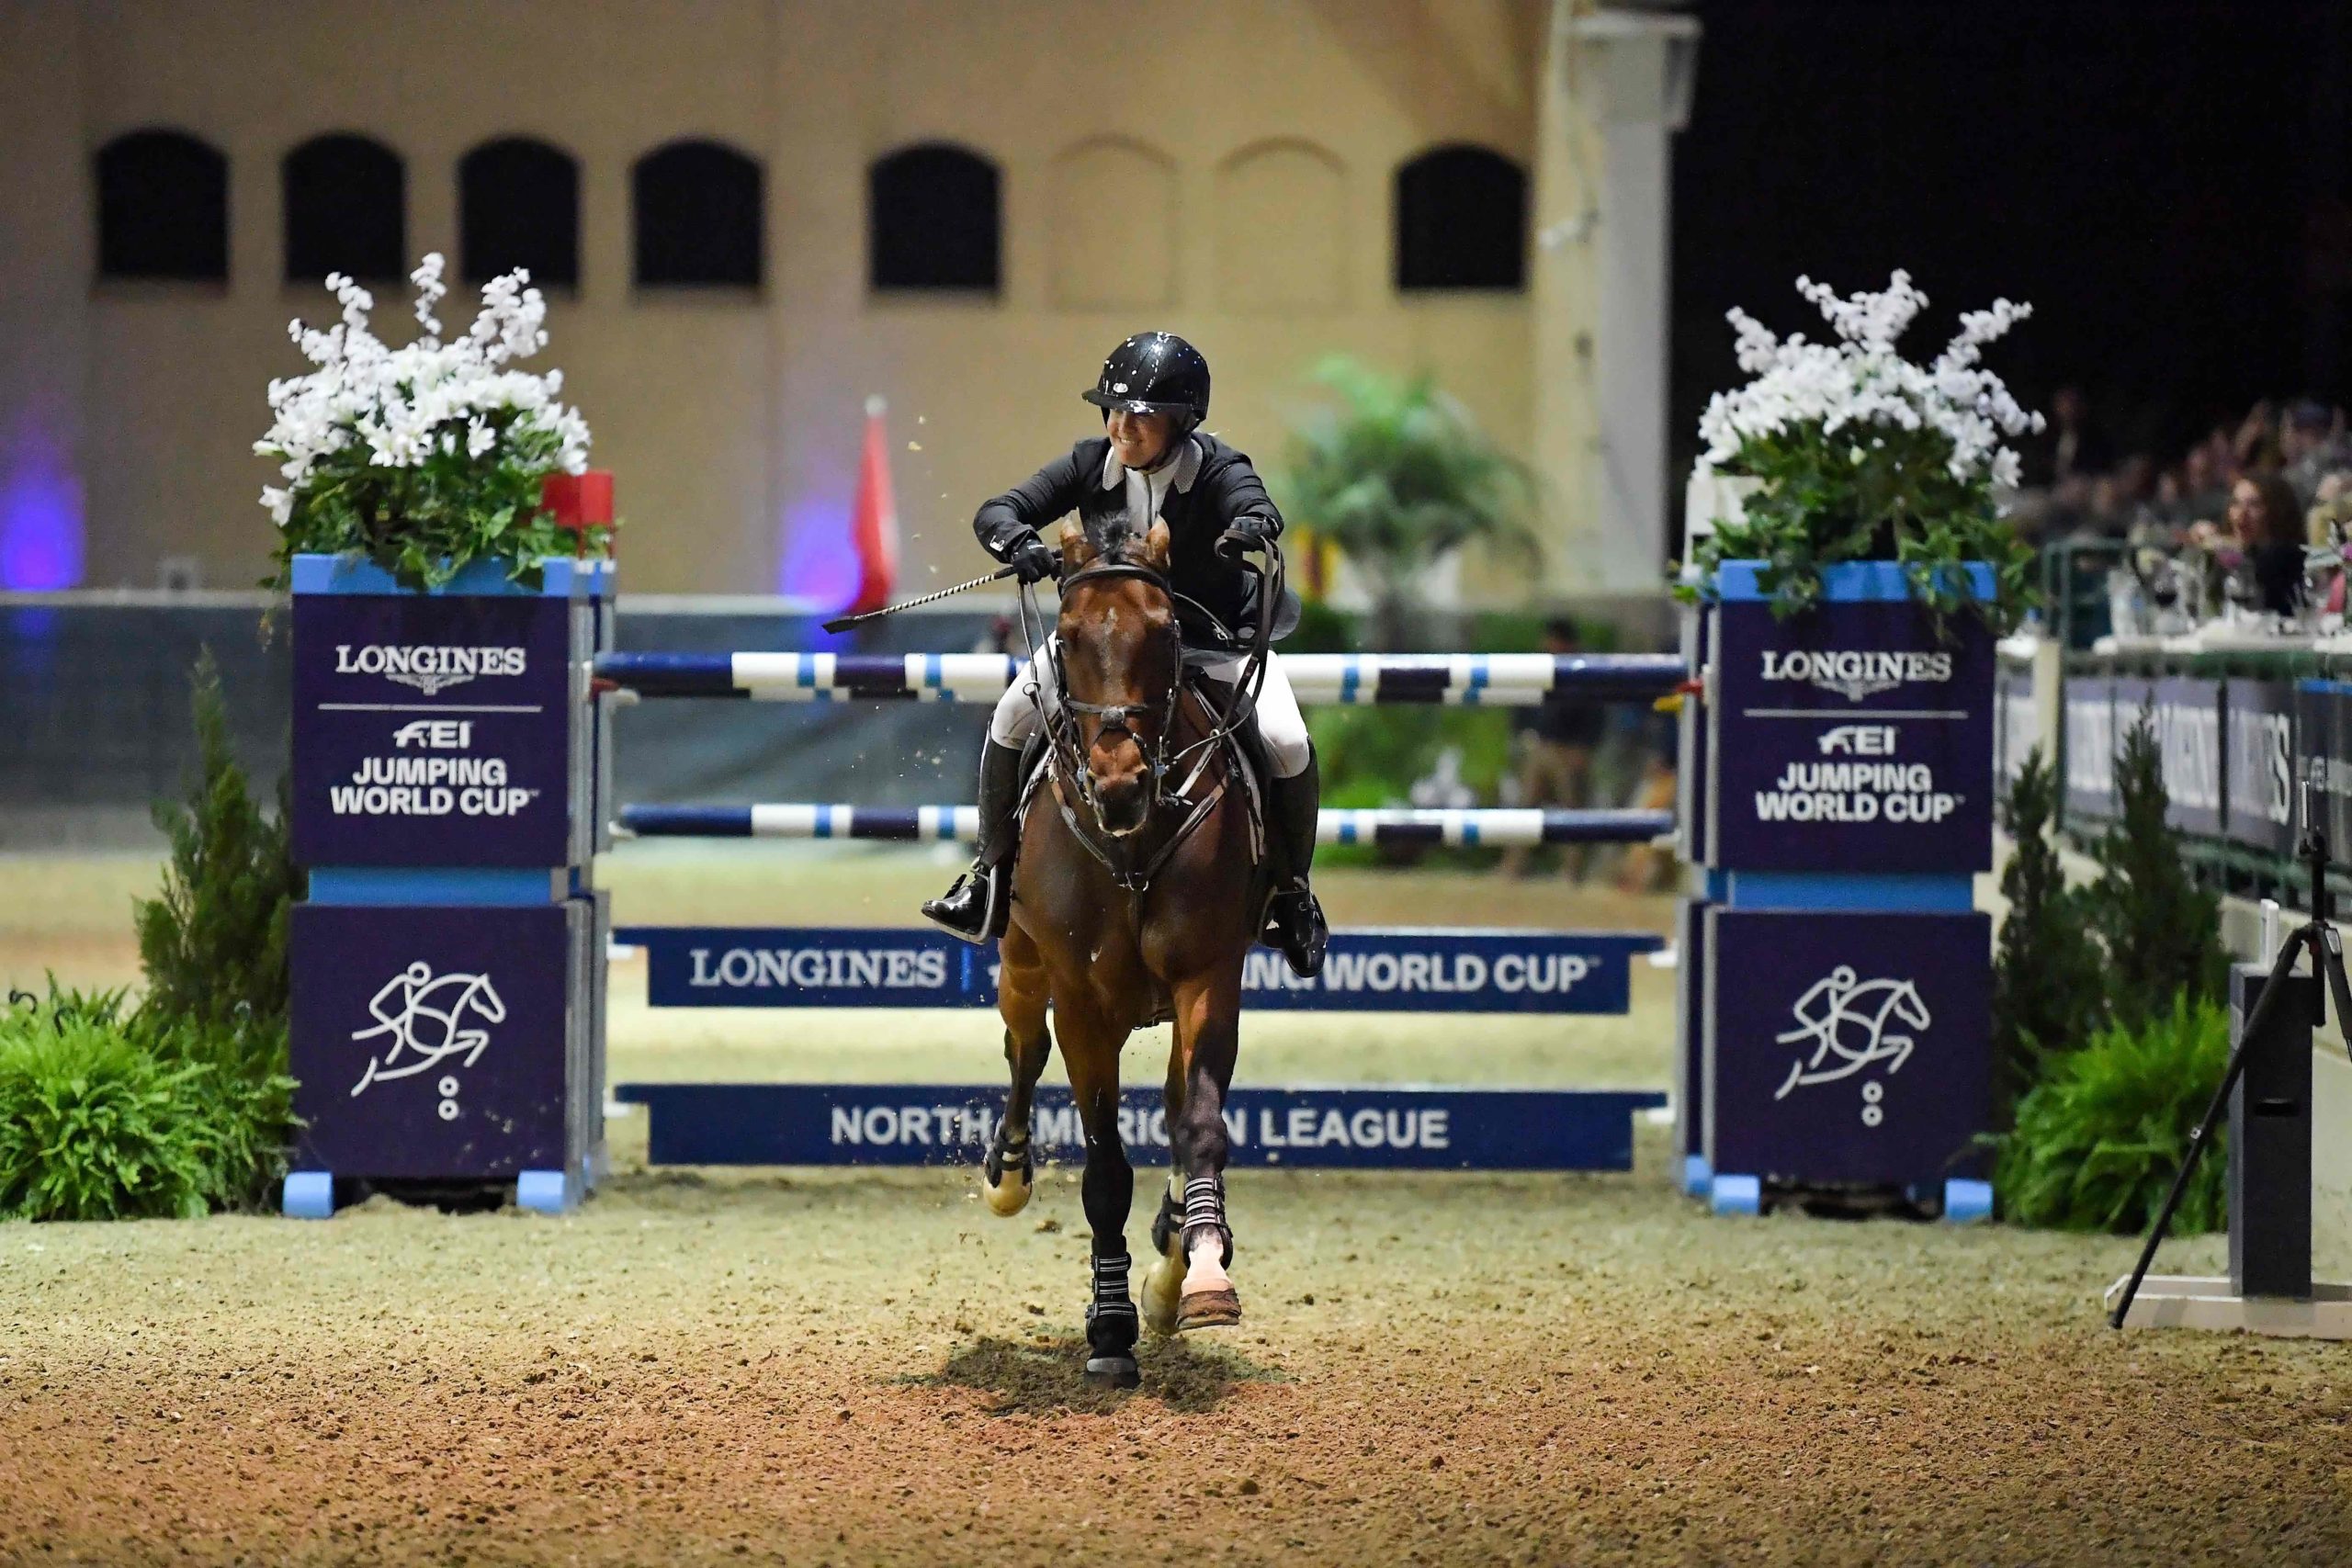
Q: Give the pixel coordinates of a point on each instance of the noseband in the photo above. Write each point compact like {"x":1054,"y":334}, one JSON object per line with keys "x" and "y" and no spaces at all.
{"x":1117,"y":718}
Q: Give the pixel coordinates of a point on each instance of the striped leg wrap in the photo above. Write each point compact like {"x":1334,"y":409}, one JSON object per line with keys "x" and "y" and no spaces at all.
{"x":1111,"y":1318}
{"x":1007,"y":1151}
{"x":1205,"y":1210}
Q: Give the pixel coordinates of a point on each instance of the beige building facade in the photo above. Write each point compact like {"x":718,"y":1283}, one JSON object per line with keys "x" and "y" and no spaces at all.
{"x":1223,"y":169}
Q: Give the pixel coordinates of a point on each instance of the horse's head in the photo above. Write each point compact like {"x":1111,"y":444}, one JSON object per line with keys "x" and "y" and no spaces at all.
{"x":1120,"y":658}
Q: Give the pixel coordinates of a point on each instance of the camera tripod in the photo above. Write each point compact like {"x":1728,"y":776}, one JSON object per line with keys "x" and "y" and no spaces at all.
{"x":2320,"y":939}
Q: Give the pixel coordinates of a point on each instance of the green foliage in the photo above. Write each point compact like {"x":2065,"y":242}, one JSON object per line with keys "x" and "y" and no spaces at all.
{"x":1869,"y":491}
{"x":2161,"y":930}
{"x":426,"y":523}
{"x":213,"y":944}
{"x":2099,"y":1139}
{"x":107,"y":1116}
{"x":1397,"y":476}
{"x":2047,"y":979}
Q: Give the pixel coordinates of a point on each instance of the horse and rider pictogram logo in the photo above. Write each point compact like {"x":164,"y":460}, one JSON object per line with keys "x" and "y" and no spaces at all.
{"x":1853,"y":1024}
{"x":422,"y":1017}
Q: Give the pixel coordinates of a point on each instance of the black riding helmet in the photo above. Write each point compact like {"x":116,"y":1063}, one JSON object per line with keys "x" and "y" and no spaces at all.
{"x":1155,"y":373}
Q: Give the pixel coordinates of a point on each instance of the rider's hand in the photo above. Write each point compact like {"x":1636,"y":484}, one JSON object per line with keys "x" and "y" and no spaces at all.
{"x":1246,"y":534}
{"x":1033,"y":560}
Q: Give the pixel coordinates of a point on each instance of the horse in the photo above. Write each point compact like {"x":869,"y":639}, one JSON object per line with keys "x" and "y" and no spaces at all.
{"x":1138,"y":891}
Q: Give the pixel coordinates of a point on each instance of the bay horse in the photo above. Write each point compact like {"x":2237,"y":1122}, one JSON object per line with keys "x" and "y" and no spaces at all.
{"x":1137,"y":892}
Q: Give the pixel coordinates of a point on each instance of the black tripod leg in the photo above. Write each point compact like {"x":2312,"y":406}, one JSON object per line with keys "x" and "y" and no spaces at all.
{"x":2273,"y":989}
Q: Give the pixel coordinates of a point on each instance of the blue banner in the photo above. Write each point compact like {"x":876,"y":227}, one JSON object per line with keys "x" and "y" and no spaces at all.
{"x":433,"y":730}
{"x":1364,"y":971}
{"x":1855,"y":738}
{"x":1429,"y":1129}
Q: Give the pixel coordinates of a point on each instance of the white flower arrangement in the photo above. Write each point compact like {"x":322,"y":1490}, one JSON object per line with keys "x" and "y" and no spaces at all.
{"x":1862,"y":380}
{"x":427,"y":454}
{"x":1861,"y":452}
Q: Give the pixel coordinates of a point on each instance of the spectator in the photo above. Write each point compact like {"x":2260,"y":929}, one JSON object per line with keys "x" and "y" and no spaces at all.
{"x":2311,"y":446}
{"x":1556,"y":741}
{"x":2266,"y":518}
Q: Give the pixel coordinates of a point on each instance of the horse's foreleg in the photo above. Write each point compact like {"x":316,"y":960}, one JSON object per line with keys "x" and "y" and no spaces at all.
{"x":1208,"y":1039}
{"x":1090,"y":1051}
{"x":1021,"y":993}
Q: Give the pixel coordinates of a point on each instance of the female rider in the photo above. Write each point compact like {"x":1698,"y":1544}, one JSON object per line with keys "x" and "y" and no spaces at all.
{"x":1152,"y":462}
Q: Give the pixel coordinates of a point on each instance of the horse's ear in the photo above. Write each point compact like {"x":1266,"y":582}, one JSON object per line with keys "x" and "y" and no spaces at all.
{"x":1154,"y":553}
{"x":1078,"y":547}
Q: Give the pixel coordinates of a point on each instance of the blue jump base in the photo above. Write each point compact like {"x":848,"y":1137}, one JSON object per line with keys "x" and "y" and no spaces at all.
{"x":907,"y":1124}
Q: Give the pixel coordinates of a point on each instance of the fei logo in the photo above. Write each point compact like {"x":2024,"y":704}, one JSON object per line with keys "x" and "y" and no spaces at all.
{"x":428,"y":668}
{"x":1846,"y":1020}
{"x":424,"y":1018}
{"x":1854,"y":673}
{"x":1858,"y":741}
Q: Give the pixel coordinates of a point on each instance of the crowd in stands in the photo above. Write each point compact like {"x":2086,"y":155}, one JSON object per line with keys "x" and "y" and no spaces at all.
{"x":2251,"y":503}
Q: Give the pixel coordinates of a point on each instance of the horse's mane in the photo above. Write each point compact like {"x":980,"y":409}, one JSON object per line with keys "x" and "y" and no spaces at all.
{"x":1116,"y":540}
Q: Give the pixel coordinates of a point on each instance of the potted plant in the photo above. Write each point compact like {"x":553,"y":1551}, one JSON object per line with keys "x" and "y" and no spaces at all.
{"x":1399,"y":477}
{"x":1854,"y":453}
{"x":431,"y":456}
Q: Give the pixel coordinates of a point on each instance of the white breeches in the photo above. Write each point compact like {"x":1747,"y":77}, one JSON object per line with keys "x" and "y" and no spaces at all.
{"x":1280,"y":724}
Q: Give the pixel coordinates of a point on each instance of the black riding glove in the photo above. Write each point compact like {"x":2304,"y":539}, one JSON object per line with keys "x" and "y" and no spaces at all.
{"x":1245,"y":533}
{"x":1032,"y":560}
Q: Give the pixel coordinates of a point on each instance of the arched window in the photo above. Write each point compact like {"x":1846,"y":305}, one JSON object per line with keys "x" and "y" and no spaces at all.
{"x":698,"y":216}
{"x":1460,"y":221}
{"x":345,"y":210}
{"x":1281,"y":228}
{"x":1112,"y":226}
{"x":932,"y":219}
{"x":518,"y":205}
{"x":163,"y":207}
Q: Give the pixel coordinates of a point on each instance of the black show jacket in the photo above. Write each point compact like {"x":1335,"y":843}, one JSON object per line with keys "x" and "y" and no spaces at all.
{"x":1224,"y":490}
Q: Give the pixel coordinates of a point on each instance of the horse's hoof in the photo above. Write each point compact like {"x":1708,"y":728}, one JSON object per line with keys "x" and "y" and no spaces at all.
{"x":1209,"y":1309}
{"x":1114,"y":1371}
{"x":1163,"y":1291}
{"x":1007,"y":1196}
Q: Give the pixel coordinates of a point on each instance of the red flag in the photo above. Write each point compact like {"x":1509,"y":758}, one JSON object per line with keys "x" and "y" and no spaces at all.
{"x":874,"y":521}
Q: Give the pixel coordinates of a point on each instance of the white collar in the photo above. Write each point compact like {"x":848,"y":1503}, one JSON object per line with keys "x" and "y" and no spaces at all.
{"x":1182,"y":472}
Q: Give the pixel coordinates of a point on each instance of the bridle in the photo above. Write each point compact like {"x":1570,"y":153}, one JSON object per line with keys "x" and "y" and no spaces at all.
{"x":1066,"y":752}
{"x":1062,"y":729}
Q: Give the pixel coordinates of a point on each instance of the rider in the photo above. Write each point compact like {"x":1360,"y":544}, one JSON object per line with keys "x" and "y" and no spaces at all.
{"x":1153,"y":461}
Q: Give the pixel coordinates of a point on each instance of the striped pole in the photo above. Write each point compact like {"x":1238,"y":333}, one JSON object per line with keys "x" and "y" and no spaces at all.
{"x":1470,"y":826}
{"x":1488,"y":680}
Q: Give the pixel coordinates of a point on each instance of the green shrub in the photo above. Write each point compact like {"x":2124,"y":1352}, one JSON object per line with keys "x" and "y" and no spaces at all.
{"x":2161,"y":930}
{"x":2098,"y":1138}
{"x":2047,"y":980}
{"x":213,"y":944}
{"x":107,"y":1114}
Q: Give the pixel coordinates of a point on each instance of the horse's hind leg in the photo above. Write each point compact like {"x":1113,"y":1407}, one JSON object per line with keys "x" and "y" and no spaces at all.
{"x":1208,"y":1038}
{"x":1021,"y":994}
{"x":1090,"y":1051}
{"x":1163,"y":1283}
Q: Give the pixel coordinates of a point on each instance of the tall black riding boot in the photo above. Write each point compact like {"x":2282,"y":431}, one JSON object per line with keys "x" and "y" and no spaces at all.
{"x":1295,"y":921}
{"x":976,"y":907}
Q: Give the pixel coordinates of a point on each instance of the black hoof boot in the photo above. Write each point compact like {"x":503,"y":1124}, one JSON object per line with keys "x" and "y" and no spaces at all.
{"x":1294,"y":925}
{"x":1111,"y":1327}
{"x":975,"y":907}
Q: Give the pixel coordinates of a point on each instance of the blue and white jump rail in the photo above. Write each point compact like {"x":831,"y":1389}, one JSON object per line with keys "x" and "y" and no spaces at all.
{"x":1490,"y":680}
{"x":1496,"y":827}
{"x":1408,"y":970}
